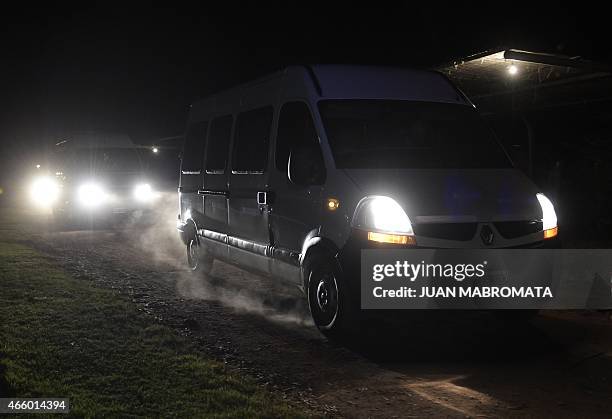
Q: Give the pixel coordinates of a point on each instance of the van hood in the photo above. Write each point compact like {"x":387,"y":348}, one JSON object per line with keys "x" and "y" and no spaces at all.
{"x":466,"y":195}
{"x":111,"y":179}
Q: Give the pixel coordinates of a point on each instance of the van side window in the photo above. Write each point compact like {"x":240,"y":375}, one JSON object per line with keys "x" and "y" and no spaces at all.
{"x":295,"y":128}
{"x":252,"y":140}
{"x":218,"y":144}
{"x":193,"y":149}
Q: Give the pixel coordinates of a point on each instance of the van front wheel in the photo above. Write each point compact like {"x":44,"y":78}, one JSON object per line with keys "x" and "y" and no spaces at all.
{"x":327,"y":300}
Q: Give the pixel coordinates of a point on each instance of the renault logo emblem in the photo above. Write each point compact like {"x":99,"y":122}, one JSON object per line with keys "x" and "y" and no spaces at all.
{"x":486,"y":234}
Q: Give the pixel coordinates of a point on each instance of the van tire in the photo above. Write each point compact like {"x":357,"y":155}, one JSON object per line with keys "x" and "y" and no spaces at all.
{"x":198,"y":261}
{"x":330,"y":307}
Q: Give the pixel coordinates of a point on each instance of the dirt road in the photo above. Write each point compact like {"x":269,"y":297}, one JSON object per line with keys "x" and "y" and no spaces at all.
{"x":454,"y":365}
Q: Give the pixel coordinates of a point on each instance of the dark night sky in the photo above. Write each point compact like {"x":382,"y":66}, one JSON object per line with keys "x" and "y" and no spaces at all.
{"x":135,"y":69}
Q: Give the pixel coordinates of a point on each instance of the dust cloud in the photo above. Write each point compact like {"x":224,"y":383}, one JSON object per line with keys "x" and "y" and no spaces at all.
{"x":156,"y":235}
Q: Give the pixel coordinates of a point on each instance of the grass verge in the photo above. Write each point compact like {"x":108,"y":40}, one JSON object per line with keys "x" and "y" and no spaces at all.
{"x":62,"y":337}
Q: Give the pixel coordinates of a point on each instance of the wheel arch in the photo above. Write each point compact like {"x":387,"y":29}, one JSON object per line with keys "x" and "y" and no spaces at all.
{"x":314,"y":247}
{"x":190,"y":229}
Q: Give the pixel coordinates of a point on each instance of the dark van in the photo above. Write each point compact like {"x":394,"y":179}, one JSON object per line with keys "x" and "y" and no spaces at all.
{"x":292,"y":175}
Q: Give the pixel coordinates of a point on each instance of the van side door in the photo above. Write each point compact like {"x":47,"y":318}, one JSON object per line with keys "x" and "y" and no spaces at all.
{"x":215,"y":189}
{"x":249,"y":198}
{"x":191,"y":172}
{"x":297,"y":208}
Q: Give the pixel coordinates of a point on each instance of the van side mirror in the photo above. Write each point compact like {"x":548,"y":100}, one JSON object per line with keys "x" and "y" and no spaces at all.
{"x":306,"y":165}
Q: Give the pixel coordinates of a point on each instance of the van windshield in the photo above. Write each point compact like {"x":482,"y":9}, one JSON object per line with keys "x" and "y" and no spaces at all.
{"x":108,"y":160}
{"x":397,"y":134}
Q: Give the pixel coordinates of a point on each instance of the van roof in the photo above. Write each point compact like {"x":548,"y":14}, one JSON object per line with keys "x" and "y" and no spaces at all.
{"x":327,"y":81}
{"x":370,"y":82}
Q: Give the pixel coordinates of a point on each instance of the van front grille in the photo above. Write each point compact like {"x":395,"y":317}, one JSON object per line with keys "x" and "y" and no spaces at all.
{"x":514,"y":229}
{"x":446,"y":231}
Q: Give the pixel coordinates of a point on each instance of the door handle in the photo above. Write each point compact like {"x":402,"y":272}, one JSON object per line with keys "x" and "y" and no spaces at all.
{"x":265,"y":197}
{"x":264,"y":201}
{"x":262,"y":198}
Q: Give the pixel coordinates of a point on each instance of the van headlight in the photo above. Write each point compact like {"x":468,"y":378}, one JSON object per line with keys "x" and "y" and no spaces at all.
{"x":44,"y":191}
{"x":384,"y":220}
{"x":91,"y":195}
{"x":549,"y":216}
{"x":143,"y":192}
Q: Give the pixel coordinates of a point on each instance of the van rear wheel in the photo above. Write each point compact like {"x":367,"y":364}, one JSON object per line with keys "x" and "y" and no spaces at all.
{"x":197,"y":258}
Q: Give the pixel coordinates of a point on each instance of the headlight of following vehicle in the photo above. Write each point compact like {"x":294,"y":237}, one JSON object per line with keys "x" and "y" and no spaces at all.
{"x":91,"y":195}
{"x":44,"y":191}
{"x":384,"y":220}
{"x":549,"y":216}
{"x":144,"y":193}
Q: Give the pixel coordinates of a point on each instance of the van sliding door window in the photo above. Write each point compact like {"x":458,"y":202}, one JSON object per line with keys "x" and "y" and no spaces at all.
{"x":193,"y":149}
{"x":250,"y":155}
{"x":218,"y":145}
{"x":295,"y":129}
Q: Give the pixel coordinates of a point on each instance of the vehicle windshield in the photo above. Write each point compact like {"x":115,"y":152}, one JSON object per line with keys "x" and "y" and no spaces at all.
{"x":108,"y":160}
{"x":396,"y":134}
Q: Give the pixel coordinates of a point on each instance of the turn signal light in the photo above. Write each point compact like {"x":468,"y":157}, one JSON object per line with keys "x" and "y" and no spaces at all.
{"x":333,"y":204}
{"x":390,"y":238}
{"x":551,"y":232}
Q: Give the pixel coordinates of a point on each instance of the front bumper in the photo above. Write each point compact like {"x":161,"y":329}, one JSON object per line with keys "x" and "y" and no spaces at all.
{"x":117,"y":208}
{"x":349,"y":257}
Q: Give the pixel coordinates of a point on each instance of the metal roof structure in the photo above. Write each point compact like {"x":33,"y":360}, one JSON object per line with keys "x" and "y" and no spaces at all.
{"x":511,"y":79}
{"x":94,"y":139}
